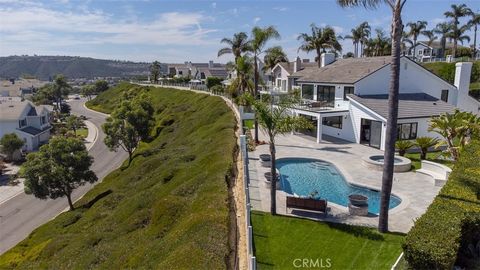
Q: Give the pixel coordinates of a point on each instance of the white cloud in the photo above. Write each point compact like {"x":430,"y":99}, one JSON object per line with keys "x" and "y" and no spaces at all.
{"x":214,"y":5}
{"x":256,"y":20}
{"x":280,"y":9}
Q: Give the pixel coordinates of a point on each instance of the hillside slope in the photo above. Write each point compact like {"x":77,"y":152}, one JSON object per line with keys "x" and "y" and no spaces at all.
{"x":44,"y":67}
{"x":168,"y":210}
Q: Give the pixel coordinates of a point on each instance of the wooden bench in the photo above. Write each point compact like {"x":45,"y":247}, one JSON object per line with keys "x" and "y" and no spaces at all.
{"x":307,"y":204}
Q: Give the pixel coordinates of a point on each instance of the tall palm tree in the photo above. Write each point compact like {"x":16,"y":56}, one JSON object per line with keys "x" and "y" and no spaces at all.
{"x":364,"y":35}
{"x":273,"y":56}
{"x":456,"y":12}
{"x":405,"y":42}
{"x":416,"y":28}
{"x":244,"y":81}
{"x":319,"y":41}
{"x":381,"y":43}
{"x":443,"y":29}
{"x":474,"y":22}
{"x":260,"y":37}
{"x":392,"y":116}
{"x":237,"y":46}
{"x":459,"y":35}
{"x":355,"y":36}
{"x":430,"y":35}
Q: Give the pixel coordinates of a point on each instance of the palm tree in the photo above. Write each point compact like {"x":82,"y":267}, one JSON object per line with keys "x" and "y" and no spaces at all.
{"x":273,"y":56}
{"x":424,"y":143}
{"x":430,"y":34}
{"x":319,"y":41}
{"x":364,"y":35}
{"x":458,"y":35}
{"x":155,"y":71}
{"x":244,"y":79}
{"x":443,"y":29}
{"x":260,"y":37}
{"x":236,"y":46}
{"x":355,"y":37}
{"x":381,"y":44}
{"x":416,"y":28}
{"x":392,"y":116}
{"x":277,"y":120}
{"x":403,"y":146}
{"x":61,"y":88}
{"x":406,"y":43}
{"x":456,"y":13}
{"x":474,"y":22}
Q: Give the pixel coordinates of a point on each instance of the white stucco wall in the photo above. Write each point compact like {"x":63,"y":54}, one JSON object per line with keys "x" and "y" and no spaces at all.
{"x":422,"y":127}
{"x":346,"y":132}
{"x":413,"y":79}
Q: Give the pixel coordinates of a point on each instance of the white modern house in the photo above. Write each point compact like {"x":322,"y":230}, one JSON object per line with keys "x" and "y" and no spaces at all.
{"x":31,"y":123}
{"x":348,"y":98}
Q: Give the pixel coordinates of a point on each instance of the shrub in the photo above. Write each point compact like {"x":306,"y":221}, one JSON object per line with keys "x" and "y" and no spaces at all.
{"x":212,"y":81}
{"x":403,"y":146}
{"x":439,"y":237}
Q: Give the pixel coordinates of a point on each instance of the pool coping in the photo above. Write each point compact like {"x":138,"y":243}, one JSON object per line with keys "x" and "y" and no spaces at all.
{"x":404,"y":201}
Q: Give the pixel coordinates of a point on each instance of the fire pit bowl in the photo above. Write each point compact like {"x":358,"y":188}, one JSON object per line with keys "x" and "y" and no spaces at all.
{"x":358,"y":199}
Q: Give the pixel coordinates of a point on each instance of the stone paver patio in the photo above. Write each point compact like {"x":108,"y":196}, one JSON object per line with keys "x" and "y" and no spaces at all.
{"x":416,"y":190}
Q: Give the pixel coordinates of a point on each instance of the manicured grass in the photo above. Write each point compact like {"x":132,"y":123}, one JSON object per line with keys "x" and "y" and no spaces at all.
{"x":280,"y":240}
{"x":168,"y":210}
{"x":475,"y":85}
{"x":82,"y":132}
{"x":431,"y":156}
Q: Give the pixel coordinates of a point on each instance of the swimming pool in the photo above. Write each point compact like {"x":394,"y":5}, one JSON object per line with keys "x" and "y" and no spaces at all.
{"x":306,"y":177}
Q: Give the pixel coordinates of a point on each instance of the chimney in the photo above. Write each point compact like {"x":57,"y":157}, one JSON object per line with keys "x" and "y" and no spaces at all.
{"x":327,"y":59}
{"x":210,"y":64}
{"x":463,"y":71}
{"x":297,"y":65}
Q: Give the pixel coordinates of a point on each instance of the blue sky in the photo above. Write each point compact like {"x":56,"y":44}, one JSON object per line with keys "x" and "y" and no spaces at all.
{"x":177,"y":31}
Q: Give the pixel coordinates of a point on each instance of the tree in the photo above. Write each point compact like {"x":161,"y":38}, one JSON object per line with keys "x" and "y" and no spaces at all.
{"x":319,"y":41}
{"x":244,"y":80}
{"x":61,"y":88}
{"x":155,"y":71}
{"x":456,"y":128}
{"x":10,"y":144}
{"x":359,"y":36}
{"x":456,"y":12}
{"x":443,"y":29}
{"x":416,"y":28}
{"x":101,"y":86}
{"x":88,"y":91}
{"x":364,"y":35}
{"x":392,"y":115}
{"x":260,"y":37}
{"x":458,"y":35}
{"x":277,"y":120}
{"x":74,"y":122}
{"x":424,"y":143}
{"x":129,"y":124}
{"x":212,"y":81}
{"x":57,"y":169}
{"x":430,"y":35}
{"x":237,"y":46}
{"x":474,"y":22}
{"x":273,"y":56}
{"x":403,"y":146}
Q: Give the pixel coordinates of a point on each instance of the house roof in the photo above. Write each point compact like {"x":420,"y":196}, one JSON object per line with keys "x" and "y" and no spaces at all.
{"x":348,"y":71}
{"x":416,"y":105}
{"x":438,"y":44}
{"x":33,"y":131}
{"x":13,"y":110}
{"x":288,"y":66}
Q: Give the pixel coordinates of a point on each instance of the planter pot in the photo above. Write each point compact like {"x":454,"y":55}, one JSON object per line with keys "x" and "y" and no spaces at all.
{"x":358,"y":200}
{"x":265,"y":157}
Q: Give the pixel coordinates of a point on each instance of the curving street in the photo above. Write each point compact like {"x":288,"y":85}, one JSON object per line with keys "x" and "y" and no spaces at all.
{"x":20,"y":215}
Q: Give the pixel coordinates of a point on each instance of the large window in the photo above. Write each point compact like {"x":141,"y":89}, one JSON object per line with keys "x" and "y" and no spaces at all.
{"x":307,"y":91}
{"x":444,"y":96}
{"x":407,"y":131}
{"x":333,"y":121}
{"x":326,"y":93}
{"x":347,"y":90}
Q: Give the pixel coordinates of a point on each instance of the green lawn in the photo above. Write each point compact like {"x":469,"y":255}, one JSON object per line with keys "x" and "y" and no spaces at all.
{"x":432,"y":156}
{"x":280,"y":241}
{"x":168,"y":210}
{"x":82,"y":132}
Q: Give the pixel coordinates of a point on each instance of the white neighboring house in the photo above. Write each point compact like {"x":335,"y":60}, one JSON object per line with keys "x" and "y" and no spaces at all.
{"x":31,"y":123}
{"x":348,"y":98}
{"x":280,"y":78}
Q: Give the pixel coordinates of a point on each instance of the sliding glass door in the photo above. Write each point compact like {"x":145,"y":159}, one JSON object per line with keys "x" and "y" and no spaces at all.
{"x":376,"y":134}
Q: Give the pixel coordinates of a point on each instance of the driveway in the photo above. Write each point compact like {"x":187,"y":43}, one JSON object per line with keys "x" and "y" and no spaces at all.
{"x":22,"y":214}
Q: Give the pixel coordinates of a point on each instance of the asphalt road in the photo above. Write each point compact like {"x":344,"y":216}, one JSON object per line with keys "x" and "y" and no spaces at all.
{"x":23,"y":213}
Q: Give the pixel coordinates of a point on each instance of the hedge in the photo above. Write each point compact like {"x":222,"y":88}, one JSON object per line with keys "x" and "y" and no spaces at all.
{"x":440,"y":237}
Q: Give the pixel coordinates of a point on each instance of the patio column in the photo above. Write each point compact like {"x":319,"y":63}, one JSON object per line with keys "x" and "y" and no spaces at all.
{"x":319,"y":129}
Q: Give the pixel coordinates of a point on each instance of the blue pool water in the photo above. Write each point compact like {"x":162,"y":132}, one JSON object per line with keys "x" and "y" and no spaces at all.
{"x":302,"y":176}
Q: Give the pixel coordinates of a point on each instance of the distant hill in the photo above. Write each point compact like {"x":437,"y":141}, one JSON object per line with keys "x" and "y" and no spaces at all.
{"x":44,"y":67}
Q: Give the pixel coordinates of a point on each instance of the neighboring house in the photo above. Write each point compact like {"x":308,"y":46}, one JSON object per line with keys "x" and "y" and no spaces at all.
{"x":198,"y":71}
{"x":31,"y":123}
{"x":348,"y":98}
{"x":423,"y":52}
{"x":279,"y":77}
{"x":20,"y":87}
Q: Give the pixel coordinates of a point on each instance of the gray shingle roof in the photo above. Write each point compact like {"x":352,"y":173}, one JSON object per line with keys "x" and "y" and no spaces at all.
{"x":418,"y":105}
{"x":288,"y":66}
{"x":12,"y":110}
{"x":346,"y":71}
